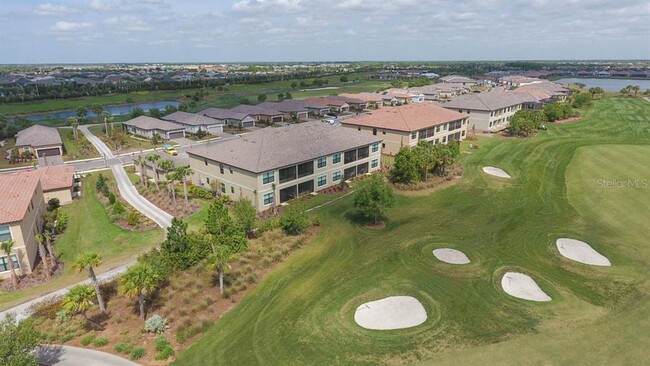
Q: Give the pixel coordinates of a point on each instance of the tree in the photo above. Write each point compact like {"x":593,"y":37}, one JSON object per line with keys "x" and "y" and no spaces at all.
{"x":200,"y":133}
{"x":89,"y":261}
{"x":261,"y":98}
{"x":140,"y":280}
{"x":288,"y":95}
{"x":244,"y":215}
{"x":581,"y":100}
{"x":175,"y":250}
{"x":294,"y":85}
{"x":219,"y":260}
{"x":74,"y":123}
{"x":155,"y":113}
{"x":280,"y":97}
{"x":343,"y":79}
{"x":97,"y":109}
{"x":106,"y":117}
{"x":40,"y":239}
{"x":374,"y":198}
{"x":7,"y":247}
{"x":405,"y":169}
{"x":596,"y":91}
{"x":635,"y":89}
{"x":155,"y":138}
{"x":79,"y":300}
{"x":167,"y":166}
{"x":81,"y":112}
{"x":525,"y":122}
{"x":222,"y":229}
{"x":142,"y":163}
{"x":425,"y":159}
{"x":182,"y":172}
{"x":18,"y":340}
{"x":294,"y":220}
{"x":137,"y":112}
{"x":446,"y":155}
{"x":153,"y":159}
{"x":49,"y":242}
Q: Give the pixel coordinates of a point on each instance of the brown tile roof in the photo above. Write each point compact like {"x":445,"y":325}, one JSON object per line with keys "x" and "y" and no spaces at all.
{"x":366,"y":97}
{"x":190,"y":119}
{"x":327,"y":101}
{"x":261,"y":150}
{"x":150,"y":123}
{"x":16,"y":192}
{"x":223,"y":114}
{"x":286,"y":106}
{"x":56,"y":177}
{"x":38,"y":135}
{"x":410,"y":117}
{"x":255,"y":110}
{"x":487,"y":101}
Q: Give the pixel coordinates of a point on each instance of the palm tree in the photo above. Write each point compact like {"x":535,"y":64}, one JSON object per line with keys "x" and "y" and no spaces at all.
{"x":78,"y":300}
{"x":50,"y":248}
{"x":7,"y":247}
{"x":40,"y":239}
{"x":167,"y":166}
{"x":97,"y":109}
{"x":182,"y":172}
{"x":140,"y":280}
{"x":219,"y":260}
{"x":88,"y":261}
{"x":142,"y":162}
{"x":153,"y":159}
{"x":74,"y":122}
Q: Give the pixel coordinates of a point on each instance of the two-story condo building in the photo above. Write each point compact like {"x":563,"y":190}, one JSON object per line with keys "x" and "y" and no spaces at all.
{"x":274,"y":165}
{"x":489,"y":111}
{"x":408,"y":124}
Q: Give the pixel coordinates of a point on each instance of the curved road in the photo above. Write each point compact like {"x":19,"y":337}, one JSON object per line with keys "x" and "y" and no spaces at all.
{"x":56,"y":355}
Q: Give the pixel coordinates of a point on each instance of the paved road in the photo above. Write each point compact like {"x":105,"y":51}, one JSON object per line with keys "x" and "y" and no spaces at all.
{"x":56,"y":355}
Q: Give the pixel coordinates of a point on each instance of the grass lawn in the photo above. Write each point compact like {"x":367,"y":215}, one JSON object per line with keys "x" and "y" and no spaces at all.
{"x":132,"y":144}
{"x":4,"y":163}
{"x":302,"y":313}
{"x":77,"y":149}
{"x":89,"y":229}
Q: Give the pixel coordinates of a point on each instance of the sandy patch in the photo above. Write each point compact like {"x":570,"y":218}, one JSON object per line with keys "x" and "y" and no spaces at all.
{"x":394,"y":312}
{"x":582,"y":252}
{"x":522,"y":286}
{"x":451,"y":256}
{"x":497,"y":172}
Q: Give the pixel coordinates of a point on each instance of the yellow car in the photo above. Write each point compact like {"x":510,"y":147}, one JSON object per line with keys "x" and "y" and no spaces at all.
{"x":171,"y":152}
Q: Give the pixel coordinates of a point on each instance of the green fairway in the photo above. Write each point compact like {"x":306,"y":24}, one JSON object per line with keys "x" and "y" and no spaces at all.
{"x":302,"y":313}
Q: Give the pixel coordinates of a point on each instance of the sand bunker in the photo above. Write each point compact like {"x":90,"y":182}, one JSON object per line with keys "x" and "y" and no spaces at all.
{"x":497,"y":172}
{"x":522,"y":286}
{"x":451,"y":256}
{"x":394,"y":312}
{"x":582,"y":252}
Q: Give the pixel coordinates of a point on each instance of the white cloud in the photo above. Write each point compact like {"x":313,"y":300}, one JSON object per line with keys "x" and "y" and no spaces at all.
{"x":129,"y":23}
{"x":51,"y":9}
{"x":63,"y":26}
{"x":100,"y":5}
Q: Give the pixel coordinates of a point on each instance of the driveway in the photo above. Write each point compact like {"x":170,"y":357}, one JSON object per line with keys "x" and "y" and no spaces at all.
{"x":56,"y":355}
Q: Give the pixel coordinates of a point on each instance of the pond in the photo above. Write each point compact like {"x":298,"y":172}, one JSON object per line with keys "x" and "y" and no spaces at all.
{"x":610,"y":85}
{"x":114,"y":110}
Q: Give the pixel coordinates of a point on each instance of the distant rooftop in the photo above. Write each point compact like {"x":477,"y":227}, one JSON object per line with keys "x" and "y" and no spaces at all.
{"x":409,"y":118}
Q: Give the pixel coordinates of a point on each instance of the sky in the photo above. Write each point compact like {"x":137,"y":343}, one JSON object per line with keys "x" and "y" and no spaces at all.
{"x":104,"y":31}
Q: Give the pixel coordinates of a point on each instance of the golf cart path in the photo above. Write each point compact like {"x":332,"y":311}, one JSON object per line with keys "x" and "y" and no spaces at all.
{"x":56,"y":355}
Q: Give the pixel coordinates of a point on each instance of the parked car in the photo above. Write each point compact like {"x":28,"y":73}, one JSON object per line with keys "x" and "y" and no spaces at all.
{"x":332,"y":114}
{"x":169,"y":149}
{"x":329,"y":120}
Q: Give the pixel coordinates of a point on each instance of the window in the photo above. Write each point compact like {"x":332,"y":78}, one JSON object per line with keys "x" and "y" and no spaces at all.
{"x":374,"y":163}
{"x":362,"y":152}
{"x":207,"y":180}
{"x":5,"y":233}
{"x":460,"y":111}
{"x":362,"y":168}
{"x":232,"y":189}
{"x":463,"y":133}
{"x":230,"y":168}
{"x":350,"y":156}
{"x":444,"y":127}
{"x":4,"y":263}
{"x":444,"y":139}
{"x":358,"y":128}
{"x":305,"y":187}
{"x":287,"y":174}
{"x":438,"y":128}
{"x":336,"y":176}
{"x":336,"y":158}
{"x":268,"y":177}
{"x":305,"y":169}
{"x":268,"y":198}
{"x":437,"y":141}
{"x":322,"y":162}
{"x":322,"y":180}
{"x":384,"y":132}
{"x":205,"y":161}
{"x":221,"y":168}
{"x":350,"y":173}
{"x":383,"y":145}
{"x":223,"y":188}
{"x":374,"y":131}
{"x":375,"y":146}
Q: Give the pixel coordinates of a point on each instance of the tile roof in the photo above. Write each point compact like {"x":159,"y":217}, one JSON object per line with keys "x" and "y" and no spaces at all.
{"x":410,"y":117}
{"x":456,"y":79}
{"x":150,"y":123}
{"x":16,"y":192}
{"x":366,"y":97}
{"x":190,"y":119}
{"x":487,"y":101}
{"x":56,"y":177}
{"x":260,"y":151}
{"x":286,"y":106}
{"x":38,"y":135}
{"x":223,"y":114}
{"x":327,"y":101}
{"x":255,"y":110}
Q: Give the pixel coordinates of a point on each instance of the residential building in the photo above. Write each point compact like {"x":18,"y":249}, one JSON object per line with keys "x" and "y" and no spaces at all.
{"x":261,"y":114}
{"x":441,"y":91}
{"x":543,"y":93}
{"x":192,"y":122}
{"x":258,"y":166}
{"x":520,"y":80}
{"x":290,"y":108}
{"x":147,"y":126}
{"x":458,"y":79}
{"x":490,"y":111}
{"x":373,"y":100}
{"x":406,"y":125}
{"x":336,"y":105}
{"x":59,"y":182}
{"x":229,"y":117}
{"x":39,"y":140}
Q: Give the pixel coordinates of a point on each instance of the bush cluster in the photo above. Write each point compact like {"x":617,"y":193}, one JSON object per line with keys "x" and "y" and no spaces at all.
{"x":199,"y":193}
{"x":155,"y":324}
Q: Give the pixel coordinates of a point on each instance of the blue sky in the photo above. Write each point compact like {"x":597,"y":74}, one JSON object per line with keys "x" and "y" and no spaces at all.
{"x":82,"y":31}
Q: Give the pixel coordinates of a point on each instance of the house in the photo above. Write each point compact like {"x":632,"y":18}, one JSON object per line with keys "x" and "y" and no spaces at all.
{"x":229,"y":117}
{"x":192,"y":122}
{"x":148,"y":126}
{"x":372,"y":100}
{"x":39,"y":140}
{"x":489,"y":111}
{"x":441,"y":91}
{"x":519,"y":80}
{"x":268,"y":116}
{"x":58,"y":182}
{"x":542,"y":93}
{"x":458,"y":79}
{"x":290,"y":108}
{"x":257,"y":167}
{"x":407,"y":125}
{"x":335,"y":104}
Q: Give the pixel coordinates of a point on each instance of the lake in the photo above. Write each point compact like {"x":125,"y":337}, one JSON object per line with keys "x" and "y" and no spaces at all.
{"x":610,"y":85}
{"x":114,"y":110}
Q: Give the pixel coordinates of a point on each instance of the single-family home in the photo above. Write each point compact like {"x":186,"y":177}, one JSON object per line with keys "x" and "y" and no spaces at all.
{"x":274,"y":165}
{"x":373,"y":100}
{"x":290,"y":108}
{"x":39,"y":140}
{"x":336,"y":105}
{"x":408,"y":124}
{"x":192,"y":122}
{"x":458,"y":79}
{"x":261,"y":114}
{"x":229,"y":117}
{"x":147,"y":126}
{"x":441,"y":91}
{"x":489,"y":111}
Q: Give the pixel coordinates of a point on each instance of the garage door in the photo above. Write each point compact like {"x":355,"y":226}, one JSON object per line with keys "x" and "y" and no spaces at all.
{"x":176,"y":135}
{"x":248,"y":124}
{"x":48,"y":152}
{"x":277,"y":119}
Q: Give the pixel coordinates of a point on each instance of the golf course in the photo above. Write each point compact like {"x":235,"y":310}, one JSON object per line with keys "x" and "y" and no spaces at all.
{"x":587,"y":180}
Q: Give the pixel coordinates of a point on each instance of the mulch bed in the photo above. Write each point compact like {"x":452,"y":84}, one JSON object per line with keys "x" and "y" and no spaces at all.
{"x":377,"y":226}
{"x":33,"y":279}
{"x":180,"y":209}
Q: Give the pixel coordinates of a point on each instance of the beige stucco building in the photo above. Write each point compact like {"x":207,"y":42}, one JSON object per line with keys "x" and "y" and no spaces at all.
{"x":489,"y":111}
{"x":274,"y":165}
{"x":407,"y":125}
{"x":39,"y":140}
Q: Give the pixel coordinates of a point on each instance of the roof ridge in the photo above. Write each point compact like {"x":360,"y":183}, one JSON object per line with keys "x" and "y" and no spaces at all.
{"x":399,"y":110}
{"x":481,"y":100}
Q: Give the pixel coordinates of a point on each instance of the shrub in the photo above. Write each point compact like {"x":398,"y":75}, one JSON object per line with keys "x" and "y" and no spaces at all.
{"x":87,"y":339}
{"x":199,"y":193}
{"x":155,"y":324}
{"x":133,"y":219}
{"x":53,"y":204}
{"x":161,"y":343}
{"x":118,"y":209}
{"x":101,"y":183}
{"x":165,"y":353}
{"x":124,"y":348}
{"x":294,"y":221}
{"x":111,"y":198}
{"x":138,"y":353}
{"x":105,"y":191}
{"x":100,"y":342}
